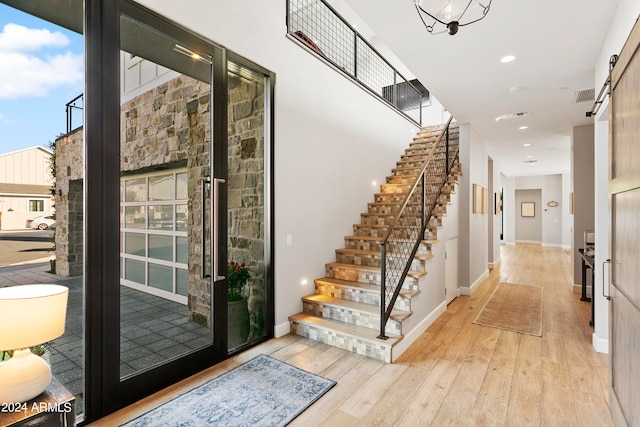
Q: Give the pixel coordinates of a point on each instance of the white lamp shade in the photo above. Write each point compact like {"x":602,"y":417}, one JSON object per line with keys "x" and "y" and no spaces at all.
{"x":31,"y":314}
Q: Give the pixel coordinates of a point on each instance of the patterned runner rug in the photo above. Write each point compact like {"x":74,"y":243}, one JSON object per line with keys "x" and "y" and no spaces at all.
{"x":515,"y":308}
{"x":261,"y":392}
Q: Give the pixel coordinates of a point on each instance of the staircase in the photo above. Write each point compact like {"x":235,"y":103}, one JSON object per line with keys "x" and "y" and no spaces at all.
{"x":345,"y":310}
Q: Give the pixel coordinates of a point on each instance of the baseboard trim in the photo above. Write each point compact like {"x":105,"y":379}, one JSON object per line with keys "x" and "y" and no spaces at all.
{"x":577,"y":289}
{"x":282,"y":329}
{"x":599,"y":344}
{"x":553,"y":245}
{"x":415,"y":333}
{"x":509,"y":243}
{"x":531,"y":242}
{"x":494,"y":264}
{"x":469,"y":290}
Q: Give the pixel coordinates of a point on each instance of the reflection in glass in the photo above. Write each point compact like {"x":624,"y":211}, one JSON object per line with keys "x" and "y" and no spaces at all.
{"x":161,"y":247}
{"x":181,"y":249}
{"x":161,"y":187}
{"x":134,"y":271}
{"x":181,"y":282}
{"x":134,"y":217}
{"x":135,"y":190}
{"x":181,"y":186}
{"x":246,"y":211}
{"x":161,"y":217}
{"x":161,"y":277}
{"x":181,"y":217}
{"x":135,"y":244}
{"x":163,"y":296}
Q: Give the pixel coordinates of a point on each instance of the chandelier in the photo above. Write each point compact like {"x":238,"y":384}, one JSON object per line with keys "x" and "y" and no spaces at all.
{"x":451,"y":14}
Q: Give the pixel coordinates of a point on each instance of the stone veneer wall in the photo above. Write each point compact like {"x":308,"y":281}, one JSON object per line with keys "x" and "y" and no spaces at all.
{"x":246,"y":189}
{"x":163,"y":128}
{"x":69,"y":197}
{"x":169,"y":126}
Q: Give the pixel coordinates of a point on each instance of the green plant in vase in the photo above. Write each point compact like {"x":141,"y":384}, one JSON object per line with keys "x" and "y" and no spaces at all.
{"x":237,"y":278}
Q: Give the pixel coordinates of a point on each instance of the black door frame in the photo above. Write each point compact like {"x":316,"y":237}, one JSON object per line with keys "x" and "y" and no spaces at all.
{"x":105,"y":392}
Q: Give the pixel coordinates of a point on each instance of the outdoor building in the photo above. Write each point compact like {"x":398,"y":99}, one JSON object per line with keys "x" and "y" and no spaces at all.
{"x":26,"y":183}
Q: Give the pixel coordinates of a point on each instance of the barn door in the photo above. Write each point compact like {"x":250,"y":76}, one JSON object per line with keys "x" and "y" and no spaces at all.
{"x":624,"y":187}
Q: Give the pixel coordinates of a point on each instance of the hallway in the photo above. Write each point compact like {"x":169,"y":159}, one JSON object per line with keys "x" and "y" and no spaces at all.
{"x":457,"y":373}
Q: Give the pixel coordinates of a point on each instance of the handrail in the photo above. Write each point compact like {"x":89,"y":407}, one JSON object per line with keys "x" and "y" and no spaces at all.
{"x":411,"y":220}
{"x":319,"y":27}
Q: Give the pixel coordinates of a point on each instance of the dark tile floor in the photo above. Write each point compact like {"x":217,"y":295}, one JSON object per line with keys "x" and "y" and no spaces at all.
{"x":153,"y":329}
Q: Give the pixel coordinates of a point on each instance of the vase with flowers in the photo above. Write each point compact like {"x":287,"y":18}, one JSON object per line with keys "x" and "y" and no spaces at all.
{"x":238,"y":277}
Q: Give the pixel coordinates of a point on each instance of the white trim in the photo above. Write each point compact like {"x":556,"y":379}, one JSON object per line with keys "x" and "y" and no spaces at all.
{"x":495,"y":263}
{"x":599,"y":344}
{"x":509,"y":243}
{"x":282,"y":329}
{"x":469,"y":290}
{"x":40,"y":147}
{"x":553,"y":245}
{"x":534,"y":242}
{"x":416,"y":332}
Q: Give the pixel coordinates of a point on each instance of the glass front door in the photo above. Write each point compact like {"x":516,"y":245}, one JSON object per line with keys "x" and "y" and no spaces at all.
{"x":166,"y":216}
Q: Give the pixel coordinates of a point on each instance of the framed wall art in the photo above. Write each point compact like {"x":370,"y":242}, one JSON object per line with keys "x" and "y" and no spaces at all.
{"x":528,"y":209}
{"x":477,"y":199}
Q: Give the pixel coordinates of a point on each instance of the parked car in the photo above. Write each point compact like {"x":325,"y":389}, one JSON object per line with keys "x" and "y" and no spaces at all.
{"x":42,"y":222}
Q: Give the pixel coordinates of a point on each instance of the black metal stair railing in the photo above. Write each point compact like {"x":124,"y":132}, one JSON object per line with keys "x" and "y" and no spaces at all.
{"x":407,"y":231}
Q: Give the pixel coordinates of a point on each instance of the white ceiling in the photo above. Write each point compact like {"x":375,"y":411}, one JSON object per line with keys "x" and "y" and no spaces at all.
{"x":556,"y":44}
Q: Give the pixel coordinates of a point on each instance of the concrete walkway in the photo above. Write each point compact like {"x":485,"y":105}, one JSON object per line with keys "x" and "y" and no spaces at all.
{"x":153,"y":330}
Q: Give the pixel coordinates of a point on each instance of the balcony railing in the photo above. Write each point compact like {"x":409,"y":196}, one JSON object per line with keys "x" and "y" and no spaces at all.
{"x":318,"y":26}
{"x":76,"y":103}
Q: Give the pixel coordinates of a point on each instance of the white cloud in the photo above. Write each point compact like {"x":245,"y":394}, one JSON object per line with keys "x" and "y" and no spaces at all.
{"x":18,"y":38}
{"x":23,"y":74}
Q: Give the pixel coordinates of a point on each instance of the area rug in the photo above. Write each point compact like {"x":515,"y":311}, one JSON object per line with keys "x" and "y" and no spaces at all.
{"x":515,"y":308}
{"x":261,"y":392}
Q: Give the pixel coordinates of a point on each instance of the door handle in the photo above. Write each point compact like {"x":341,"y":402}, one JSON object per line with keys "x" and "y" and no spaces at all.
{"x":214,"y":208}
{"x":608,"y":297}
{"x":204,"y":182}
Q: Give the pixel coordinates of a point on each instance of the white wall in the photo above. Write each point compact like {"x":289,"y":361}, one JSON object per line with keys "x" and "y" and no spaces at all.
{"x":332,"y":140}
{"x":553,"y":218}
{"x":529,"y":228}
{"x":567,"y":216}
{"x":508,"y":209}
{"x":619,"y":29}
{"x":29,"y":166}
{"x":473,"y":261}
{"x":494,"y":218}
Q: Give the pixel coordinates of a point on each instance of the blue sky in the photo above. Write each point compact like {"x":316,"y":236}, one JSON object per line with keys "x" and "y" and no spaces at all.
{"x":41,"y":69}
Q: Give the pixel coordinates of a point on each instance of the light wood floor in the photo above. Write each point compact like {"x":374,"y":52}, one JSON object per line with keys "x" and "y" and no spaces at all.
{"x":457,"y":373}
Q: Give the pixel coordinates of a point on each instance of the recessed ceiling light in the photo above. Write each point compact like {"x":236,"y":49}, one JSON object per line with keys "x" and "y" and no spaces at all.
{"x":526,"y":145}
{"x":523,"y":127}
{"x":528,"y":157}
{"x":507,"y":58}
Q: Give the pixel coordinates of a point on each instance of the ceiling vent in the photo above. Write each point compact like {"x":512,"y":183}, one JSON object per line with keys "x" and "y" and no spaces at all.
{"x":531,"y":161}
{"x":584,"y":95}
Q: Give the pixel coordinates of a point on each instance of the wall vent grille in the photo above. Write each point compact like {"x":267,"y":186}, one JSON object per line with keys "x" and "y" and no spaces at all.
{"x":584,"y":95}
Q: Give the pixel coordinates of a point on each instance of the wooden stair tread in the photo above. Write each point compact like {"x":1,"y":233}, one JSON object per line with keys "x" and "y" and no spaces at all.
{"x":365,"y":334}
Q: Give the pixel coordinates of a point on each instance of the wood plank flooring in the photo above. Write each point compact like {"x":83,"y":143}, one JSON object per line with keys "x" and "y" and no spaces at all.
{"x":457,"y":373}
